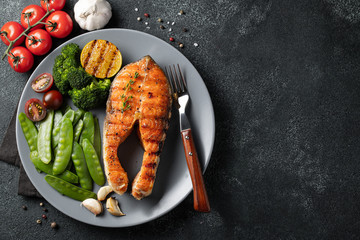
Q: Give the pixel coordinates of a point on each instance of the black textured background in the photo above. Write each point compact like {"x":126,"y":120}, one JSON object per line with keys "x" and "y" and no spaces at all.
{"x":284,"y":80}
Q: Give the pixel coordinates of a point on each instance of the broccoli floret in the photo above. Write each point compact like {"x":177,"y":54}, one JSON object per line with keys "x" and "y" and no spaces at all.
{"x":71,"y":50}
{"x":79,"y":78}
{"x":92,"y":95}
{"x":70,"y":62}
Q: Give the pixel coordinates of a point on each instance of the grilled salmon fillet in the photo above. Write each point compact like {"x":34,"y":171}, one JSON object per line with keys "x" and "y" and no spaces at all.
{"x":140,"y":93}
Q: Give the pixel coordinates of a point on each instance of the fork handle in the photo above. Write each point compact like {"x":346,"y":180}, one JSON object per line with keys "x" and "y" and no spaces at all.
{"x":201,"y":201}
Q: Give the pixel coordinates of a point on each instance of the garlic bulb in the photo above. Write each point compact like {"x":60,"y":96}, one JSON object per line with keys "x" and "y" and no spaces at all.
{"x":92,"y":14}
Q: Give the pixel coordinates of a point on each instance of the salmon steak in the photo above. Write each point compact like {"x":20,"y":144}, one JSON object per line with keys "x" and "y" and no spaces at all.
{"x":140,"y":97}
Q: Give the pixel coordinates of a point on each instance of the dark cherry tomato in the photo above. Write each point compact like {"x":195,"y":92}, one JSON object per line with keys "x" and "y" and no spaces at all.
{"x":34,"y":13}
{"x":12,"y":30}
{"x":53,"y":99}
{"x":42,"y":83}
{"x":39,"y":42}
{"x":20,"y":59}
{"x":60,"y":24}
{"x":53,"y":4}
{"x":35,"y":110}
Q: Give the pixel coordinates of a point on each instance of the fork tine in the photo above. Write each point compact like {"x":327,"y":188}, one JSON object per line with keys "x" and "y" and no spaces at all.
{"x":170,"y":80}
{"x":182,"y":78}
{"x":178,"y":80}
{"x":177,"y":88}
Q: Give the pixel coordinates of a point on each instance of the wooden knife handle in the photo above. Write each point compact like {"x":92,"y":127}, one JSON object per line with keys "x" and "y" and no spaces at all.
{"x":201,"y":201}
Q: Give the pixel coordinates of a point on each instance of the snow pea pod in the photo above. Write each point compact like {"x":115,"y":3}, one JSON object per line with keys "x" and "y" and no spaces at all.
{"x":88,"y":129}
{"x":44,"y":138}
{"x":69,"y":189}
{"x":47,"y":168}
{"x":78,"y":115}
{"x":69,"y":177}
{"x":97,"y":137}
{"x":63,"y":151}
{"x":77,"y":130}
{"x":29,"y":130}
{"x":70,"y":114}
{"x":81,"y":168}
{"x":93,"y":162}
{"x":57,"y":117}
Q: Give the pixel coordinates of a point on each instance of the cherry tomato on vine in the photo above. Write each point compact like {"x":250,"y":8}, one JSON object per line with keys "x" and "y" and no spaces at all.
{"x":12,"y":30}
{"x":20,"y":59}
{"x":42,"y":83}
{"x":53,"y":99}
{"x":34,"y":13}
{"x":60,"y":24}
{"x":39,"y":42}
{"x":35,"y":110}
{"x":53,"y":4}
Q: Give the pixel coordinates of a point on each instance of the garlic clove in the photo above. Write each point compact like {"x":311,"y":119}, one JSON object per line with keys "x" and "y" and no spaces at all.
{"x":103,"y":192}
{"x":93,"y":206}
{"x":112,"y":205}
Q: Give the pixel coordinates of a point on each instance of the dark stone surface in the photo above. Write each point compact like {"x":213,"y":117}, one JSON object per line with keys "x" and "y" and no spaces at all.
{"x":284,"y":80}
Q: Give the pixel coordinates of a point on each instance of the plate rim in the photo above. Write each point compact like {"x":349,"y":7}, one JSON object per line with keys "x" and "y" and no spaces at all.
{"x":212,"y":113}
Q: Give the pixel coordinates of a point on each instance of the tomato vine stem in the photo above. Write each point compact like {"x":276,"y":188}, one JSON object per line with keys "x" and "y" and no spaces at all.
{"x":24,"y":33}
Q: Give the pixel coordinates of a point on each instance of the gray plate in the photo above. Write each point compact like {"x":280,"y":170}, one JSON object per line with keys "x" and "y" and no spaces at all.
{"x":173,"y":181}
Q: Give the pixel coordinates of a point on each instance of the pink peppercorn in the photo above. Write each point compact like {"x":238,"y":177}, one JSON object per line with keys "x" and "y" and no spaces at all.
{"x":171,"y":39}
{"x":146,"y":15}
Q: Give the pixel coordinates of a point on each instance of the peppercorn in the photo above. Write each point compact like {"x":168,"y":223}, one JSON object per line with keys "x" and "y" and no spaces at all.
{"x":41,"y":204}
{"x":182,"y":12}
{"x":45,"y":210}
{"x":24,"y":207}
{"x":146,"y":15}
{"x":44,"y":216}
{"x":171,"y":39}
{"x":184,"y":30}
{"x":53,"y":225}
{"x":139,"y":19}
{"x":162,"y":27}
{"x":181,"y":45}
{"x":38,"y":221}
{"x":159,"y":20}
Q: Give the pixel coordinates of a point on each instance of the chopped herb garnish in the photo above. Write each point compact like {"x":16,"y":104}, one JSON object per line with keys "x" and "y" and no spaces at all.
{"x":136,"y":75}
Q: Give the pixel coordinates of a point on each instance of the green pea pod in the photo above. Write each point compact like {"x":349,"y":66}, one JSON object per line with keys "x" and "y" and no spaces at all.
{"x":29,"y":130}
{"x":78,"y":115}
{"x":93,"y":163}
{"x":81,"y":168}
{"x":57,"y":117}
{"x":44,"y":138}
{"x":69,"y":189}
{"x":70,"y":114}
{"x":77,"y":130}
{"x":97,"y":137}
{"x":64,"y":148}
{"x":69,"y":177}
{"x":65,"y":108}
{"x":88,"y":129}
{"x":47,"y":168}
{"x":35,"y":159}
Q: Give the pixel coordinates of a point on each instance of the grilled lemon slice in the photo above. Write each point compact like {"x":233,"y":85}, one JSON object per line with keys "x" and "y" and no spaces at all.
{"x":101,"y":59}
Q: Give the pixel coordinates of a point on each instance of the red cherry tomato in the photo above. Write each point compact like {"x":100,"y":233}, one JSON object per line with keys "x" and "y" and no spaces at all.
{"x":42,"y":83}
{"x":34,"y":13}
{"x":12,"y":30}
{"x":20,"y":59}
{"x":53,"y":99}
{"x":35,"y":110}
{"x":39,"y":42}
{"x":61,"y":24}
{"x":53,"y":4}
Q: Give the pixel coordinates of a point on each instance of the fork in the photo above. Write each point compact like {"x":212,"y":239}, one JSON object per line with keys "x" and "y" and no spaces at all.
{"x":181,"y":97}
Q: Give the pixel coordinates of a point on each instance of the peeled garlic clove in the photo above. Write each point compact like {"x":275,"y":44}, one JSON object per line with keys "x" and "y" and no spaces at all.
{"x":112,"y":205}
{"x":103,"y":192}
{"x":93,"y":206}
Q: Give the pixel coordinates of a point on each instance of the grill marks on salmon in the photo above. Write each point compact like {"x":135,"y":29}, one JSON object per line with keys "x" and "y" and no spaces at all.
{"x":150,"y":107}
